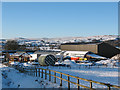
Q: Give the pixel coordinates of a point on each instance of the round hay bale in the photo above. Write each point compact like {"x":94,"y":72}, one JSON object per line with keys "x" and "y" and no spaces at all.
{"x":47,"y":60}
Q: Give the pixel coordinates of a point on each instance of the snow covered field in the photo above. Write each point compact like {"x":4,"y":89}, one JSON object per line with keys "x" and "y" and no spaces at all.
{"x":12,"y":78}
{"x":101,"y":74}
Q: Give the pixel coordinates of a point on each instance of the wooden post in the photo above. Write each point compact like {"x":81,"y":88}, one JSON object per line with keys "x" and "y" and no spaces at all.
{"x":68,"y":83}
{"x":39,"y":72}
{"x":79,"y":67}
{"x":61,"y":79}
{"x":98,"y":66}
{"x":36,"y":72}
{"x":78,"y":83}
{"x":49,"y":75}
{"x":54,"y":77}
{"x":45,"y":74}
{"x":108,"y":86}
{"x":42,"y":74}
{"x":89,"y":66}
{"x":90,"y":84}
{"x":33,"y":72}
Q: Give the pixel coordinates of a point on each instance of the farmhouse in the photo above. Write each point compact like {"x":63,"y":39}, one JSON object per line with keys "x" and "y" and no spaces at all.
{"x":18,"y":56}
{"x":102,"y":49}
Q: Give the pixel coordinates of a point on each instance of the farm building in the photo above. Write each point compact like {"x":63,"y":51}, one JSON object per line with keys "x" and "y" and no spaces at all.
{"x":19,"y":56}
{"x":102,"y":49}
{"x":79,"y":56}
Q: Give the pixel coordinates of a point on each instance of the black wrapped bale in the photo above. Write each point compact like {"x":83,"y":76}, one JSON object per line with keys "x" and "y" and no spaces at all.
{"x":47,"y":60}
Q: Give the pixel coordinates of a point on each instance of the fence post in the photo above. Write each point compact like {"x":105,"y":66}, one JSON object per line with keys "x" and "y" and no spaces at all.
{"x":36,"y":72}
{"x":45,"y":74}
{"x":31,"y":73}
{"x":98,"y":66}
{"x":108,"y":86}
{"x":54,"y":77}
{"x":42,"y":74}
{"x":68,"y":83}
{"x":90,"y":84}
{"x":39,"y":72}
{"x":89,"y":66}
{"x":49,"y":75}
{"x":78,"y":83}
{"x":61,"y":79}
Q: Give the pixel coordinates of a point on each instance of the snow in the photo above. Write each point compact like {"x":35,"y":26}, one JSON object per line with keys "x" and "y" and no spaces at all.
{"x":14,"y":63}
{"x":12,"y":78}
{"x":70,"y":62}
{"x":109,"y":62}
{"x":100,"y":74}
{"x":116,"y":57}
{"x":55,"y":50}
{"x":57,"y":62}
{"x":85,"y":64}
{"x":105,"y":74}
{"x":2,"y":57}
{"x":96,"y":56}
{"x":34,"y":56}
{"x":74,"y":53}
{"x":16,"y":54}
{"x":26,"y":64}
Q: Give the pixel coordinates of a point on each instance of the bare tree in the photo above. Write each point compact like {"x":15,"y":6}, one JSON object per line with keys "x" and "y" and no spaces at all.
{"x":11,"y":45}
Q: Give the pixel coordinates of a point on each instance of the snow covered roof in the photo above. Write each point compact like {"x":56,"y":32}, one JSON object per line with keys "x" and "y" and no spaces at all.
{"x":16,"y":54}
{"x":96,"y":56}
{"x":19,"y":54}
{"x":76,"y":53}
{"x":79,"y":52}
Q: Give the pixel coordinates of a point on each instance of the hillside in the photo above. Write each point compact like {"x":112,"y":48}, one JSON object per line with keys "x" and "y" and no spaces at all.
{"x":63,"y":39}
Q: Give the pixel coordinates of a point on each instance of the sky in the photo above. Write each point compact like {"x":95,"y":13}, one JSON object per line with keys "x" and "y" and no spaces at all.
{"x":58,"y":19}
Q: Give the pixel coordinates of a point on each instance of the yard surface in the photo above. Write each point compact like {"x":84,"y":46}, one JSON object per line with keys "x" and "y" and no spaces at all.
{"x":101,"y":74}
{"x":12,"y":78}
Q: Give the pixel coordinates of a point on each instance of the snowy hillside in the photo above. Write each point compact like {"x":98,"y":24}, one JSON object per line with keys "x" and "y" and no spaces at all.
{"x":71,"y":39}
{"x":86,"y":39}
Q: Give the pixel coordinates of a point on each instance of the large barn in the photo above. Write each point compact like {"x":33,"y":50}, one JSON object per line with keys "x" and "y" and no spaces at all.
{"x":103,"y":49}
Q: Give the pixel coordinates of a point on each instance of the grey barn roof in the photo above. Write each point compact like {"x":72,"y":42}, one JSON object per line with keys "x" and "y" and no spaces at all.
{"x":103,"y":49}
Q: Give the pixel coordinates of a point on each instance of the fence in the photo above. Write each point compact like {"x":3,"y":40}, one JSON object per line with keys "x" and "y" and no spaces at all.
{"x":43,"y":74}
{"x":79,"y":67}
